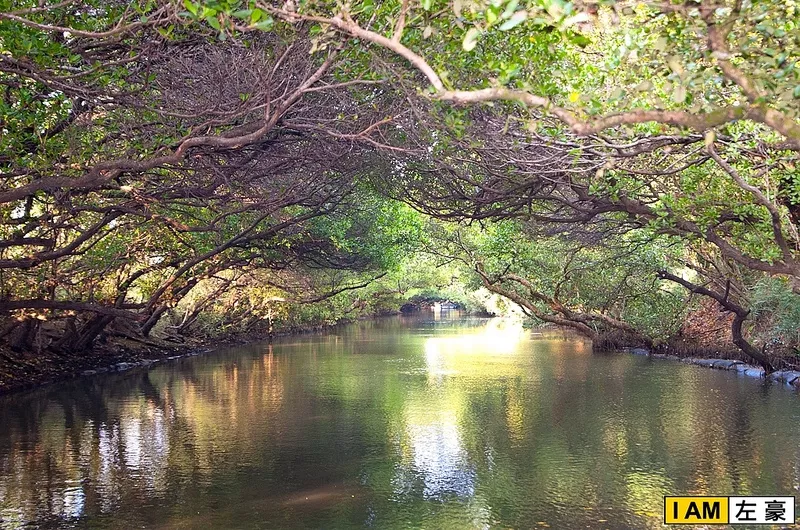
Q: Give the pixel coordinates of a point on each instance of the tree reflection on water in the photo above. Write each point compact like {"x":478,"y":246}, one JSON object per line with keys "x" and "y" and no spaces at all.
{"x":395,"y":423}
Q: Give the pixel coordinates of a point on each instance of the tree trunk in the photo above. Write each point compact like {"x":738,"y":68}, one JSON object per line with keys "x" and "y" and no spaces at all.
{"x":740,"y":315}
{"x":150,"y":323}
{"x":90,"y":331}
{"x":745,"y":346}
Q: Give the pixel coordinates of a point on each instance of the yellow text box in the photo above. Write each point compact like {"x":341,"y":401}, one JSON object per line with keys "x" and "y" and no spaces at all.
{"x":696,"y":510}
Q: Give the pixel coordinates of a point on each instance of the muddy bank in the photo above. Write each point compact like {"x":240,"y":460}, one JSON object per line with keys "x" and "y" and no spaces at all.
{"x":26,"y":370}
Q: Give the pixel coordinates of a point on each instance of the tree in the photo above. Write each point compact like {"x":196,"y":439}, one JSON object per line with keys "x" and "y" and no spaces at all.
{"x":146,"y":157}
{"x":606,"y":291}
{"x":229,"y":135}
{"x":723,"y":69}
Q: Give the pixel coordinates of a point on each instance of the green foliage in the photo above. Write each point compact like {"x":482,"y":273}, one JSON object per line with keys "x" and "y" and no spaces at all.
{"x":616,"y":278}
{"x":72,"y":99}
{"x":378,"y":229}
{"x":772,"y":298}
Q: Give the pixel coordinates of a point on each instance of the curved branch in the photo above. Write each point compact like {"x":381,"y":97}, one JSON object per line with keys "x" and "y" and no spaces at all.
{"x":582,"y":328}
{"x":104,"y":172}
{"x":699,"y":122}
{"x":739,"y":312}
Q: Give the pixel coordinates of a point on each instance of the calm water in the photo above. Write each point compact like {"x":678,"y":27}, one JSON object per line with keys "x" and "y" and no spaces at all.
{"x":398,"y":423}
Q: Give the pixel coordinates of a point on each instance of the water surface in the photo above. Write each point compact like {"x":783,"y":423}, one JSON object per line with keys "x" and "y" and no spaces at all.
{"x":395,"y":423}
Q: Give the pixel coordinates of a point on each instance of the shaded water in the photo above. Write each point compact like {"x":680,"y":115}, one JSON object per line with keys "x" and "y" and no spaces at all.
{"x":396,"y":423}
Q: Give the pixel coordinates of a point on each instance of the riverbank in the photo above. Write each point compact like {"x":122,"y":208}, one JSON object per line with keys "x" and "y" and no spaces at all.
{"x":116,"y":353}
{"x":19,"y":371}
{"x":790,"y":378}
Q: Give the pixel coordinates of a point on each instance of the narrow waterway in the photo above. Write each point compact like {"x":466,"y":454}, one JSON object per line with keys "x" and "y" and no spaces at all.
{"x":394,"y":423}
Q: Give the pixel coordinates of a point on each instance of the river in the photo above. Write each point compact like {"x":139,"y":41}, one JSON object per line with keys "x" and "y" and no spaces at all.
{"x":394,"y":423}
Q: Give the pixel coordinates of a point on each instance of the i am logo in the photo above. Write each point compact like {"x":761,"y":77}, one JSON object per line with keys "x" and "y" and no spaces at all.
{"x":694,"y":510}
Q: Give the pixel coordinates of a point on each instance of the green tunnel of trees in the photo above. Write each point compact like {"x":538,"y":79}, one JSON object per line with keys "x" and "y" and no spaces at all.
{"x":628,"y":170}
